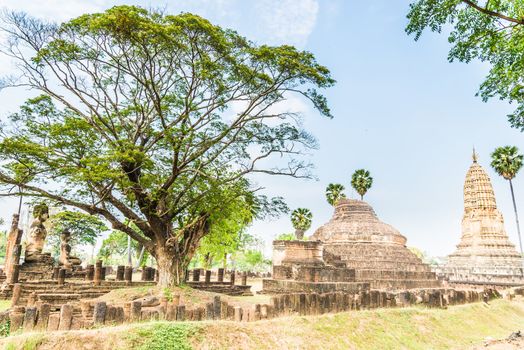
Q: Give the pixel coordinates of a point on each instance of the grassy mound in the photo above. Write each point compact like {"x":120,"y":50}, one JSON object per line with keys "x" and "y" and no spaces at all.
{"x":410,"y":328}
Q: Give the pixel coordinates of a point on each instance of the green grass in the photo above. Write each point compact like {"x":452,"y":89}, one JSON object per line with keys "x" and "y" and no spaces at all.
{"x":162,"y":335}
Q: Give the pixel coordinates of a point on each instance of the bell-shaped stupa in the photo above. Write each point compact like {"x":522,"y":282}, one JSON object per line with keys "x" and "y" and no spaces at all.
{"x":376,"y":250}
{"x":484,"y":255}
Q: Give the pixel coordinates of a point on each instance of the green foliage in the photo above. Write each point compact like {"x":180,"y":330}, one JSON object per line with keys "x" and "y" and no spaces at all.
{"x":171,"y":115}
{"x":285,"y":237}
{"x":361,"y":181}
{"x":507,"y":161}
{"x":335,"y":192}
{"x":5,"y":328}
{"x":84,"y":229}
{"x":253,"y":260}
{"x":160,"y":336}
{"x":3,"y":243}
{"x":490,"y":31}
{"x":114,"y":248}
{"x":301,"y":219}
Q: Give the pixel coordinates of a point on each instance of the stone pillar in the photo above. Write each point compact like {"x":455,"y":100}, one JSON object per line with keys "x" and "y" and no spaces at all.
{"x":208,"y":276}
{"x":90,"y":272}
{"x":244,"y":278}
{"x":103,"y":273}
{"x":186,"y":275}
{"x":29,"y":319}
{"x":13,"y":242}
{"x":128,"y":274}
{"x":209,"y":311}
{"x":15,"y":272}
{"x":217,"y":307}
{"x":171,"y":312}
{"x":181,"y":313}
{"x":136,"y":310}
{"x":238,"y":314}
{"x":120,"y":273}
{"x":232,"y":278}
{"x":98,"y":273}
{"x":17,"y":291}
{"x":99,"y":313}
{"x":43,"y":316}
{"x":143,"y":276}
{"x":196,"y":275}
{"x":54,"y":321}
{"x":56,"y":271}
{"x":61,"y":277}
{"x":16,"y":318}
{"x":66,"y":317}
{"x":220,"y":275}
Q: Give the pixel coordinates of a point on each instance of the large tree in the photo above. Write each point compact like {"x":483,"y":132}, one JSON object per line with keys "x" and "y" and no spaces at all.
{"x":153,"y":119}
{"x":490,"y":31}
{"x":507,"y":162}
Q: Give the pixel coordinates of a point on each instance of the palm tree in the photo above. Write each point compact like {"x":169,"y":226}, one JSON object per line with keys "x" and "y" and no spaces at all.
{"x":507,"y":161}
{"x":301,"y":220}
{"x":361,"y":181}
{"x":334,"y":193}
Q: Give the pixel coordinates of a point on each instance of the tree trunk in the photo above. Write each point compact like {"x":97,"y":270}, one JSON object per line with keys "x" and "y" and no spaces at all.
{"x":516,"y":217}
{"x":299,"y":234}
{"x":171,"y":268}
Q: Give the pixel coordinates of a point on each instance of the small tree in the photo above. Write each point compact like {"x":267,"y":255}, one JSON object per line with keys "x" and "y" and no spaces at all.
{"x":301,"y":220}
{"x":285,"y":237}
{"x":361,"y":181}
{"x":334,"y":192}
{"x":84,"y":228}
{"x":507,"y":162}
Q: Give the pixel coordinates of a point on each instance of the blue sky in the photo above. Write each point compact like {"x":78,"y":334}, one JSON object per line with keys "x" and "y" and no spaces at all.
{"x":401,"y":110}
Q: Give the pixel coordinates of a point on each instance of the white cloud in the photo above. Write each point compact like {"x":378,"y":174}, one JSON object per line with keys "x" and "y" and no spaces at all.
{"x":287,"y":21}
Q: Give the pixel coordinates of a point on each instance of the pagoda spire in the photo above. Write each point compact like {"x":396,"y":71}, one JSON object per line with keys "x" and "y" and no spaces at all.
{"x":475,"y":155}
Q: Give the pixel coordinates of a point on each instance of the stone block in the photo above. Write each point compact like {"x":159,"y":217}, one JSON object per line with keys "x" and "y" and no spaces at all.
{"x":44,"y":310}
{"x":30,"y":318}
{"x":66,"y":317}
{"x":99,"y":313}
{"x":54,"y":321}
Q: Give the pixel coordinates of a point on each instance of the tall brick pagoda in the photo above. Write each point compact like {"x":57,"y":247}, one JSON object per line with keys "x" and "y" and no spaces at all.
{"x":484,"y":255}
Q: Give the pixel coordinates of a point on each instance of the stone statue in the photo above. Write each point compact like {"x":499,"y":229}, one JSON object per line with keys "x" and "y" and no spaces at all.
{"x":37,"y":234}
{"x":66,"y":259}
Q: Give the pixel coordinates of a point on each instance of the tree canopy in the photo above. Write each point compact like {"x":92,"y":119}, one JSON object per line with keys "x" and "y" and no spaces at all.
{"x":361,"y":181}
{"x":507,"y":161}
{"x":84,"y":229}
{"x":335,"y":192}
{"x":490,"y":31}
{"x":154,"y":119}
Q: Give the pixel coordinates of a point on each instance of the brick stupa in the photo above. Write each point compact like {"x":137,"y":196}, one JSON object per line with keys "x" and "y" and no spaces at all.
{"x":484,"y":255}
{"x":375,"y":250}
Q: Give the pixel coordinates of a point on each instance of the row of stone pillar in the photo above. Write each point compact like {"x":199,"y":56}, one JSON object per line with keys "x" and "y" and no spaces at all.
{"x":220,"y":276}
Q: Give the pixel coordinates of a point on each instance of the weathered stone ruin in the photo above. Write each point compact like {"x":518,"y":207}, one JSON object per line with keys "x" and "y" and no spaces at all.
{"x":484,"y":256}
{"x":354,"y":250}
{"x":37,"y":264}
{"x":66,"y":260}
